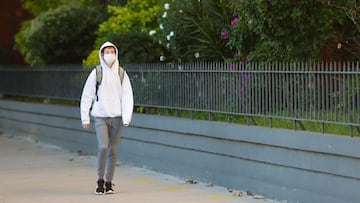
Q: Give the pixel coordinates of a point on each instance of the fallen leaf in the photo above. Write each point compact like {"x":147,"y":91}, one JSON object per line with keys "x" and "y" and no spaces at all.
{"x":210,"y":185}
{"x":79,"y":152}
{"x":190,"y":181}
{"x":249,"y":193}
{"x":238,"y":194}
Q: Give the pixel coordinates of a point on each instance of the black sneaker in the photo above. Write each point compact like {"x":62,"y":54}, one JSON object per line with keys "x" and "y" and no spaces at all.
{"x":108,"y":188}
{"x":100,"y":187}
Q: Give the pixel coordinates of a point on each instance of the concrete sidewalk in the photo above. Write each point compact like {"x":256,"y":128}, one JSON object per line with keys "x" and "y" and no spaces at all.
{"x":39,"y":173}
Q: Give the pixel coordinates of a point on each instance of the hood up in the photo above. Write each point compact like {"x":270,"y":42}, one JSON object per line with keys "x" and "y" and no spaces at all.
{"x":102,"y":62}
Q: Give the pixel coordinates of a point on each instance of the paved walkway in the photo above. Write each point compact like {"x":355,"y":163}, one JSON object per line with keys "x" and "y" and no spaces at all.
{"x":38,"y":173}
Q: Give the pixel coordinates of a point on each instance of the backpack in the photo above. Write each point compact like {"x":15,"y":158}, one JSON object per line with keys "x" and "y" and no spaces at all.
{"x":99,"y":78}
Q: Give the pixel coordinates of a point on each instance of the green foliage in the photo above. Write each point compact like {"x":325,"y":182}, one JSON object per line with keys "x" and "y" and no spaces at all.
{"x":282,"y":30}
{"x":348,"y":41}
{"x":63,"y":35}
{"x":36,"y":7}
{"x":4,"y":55}
{"x":92,"y":59}
{"x":128,"y":28}
{"x":191,"y":30}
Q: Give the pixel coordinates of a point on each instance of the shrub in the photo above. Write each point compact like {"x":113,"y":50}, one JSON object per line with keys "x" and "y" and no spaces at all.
{"x":60,"y":36}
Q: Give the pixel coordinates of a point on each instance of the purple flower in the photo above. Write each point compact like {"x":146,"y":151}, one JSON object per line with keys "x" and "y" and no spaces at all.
{"x":241,"y":92}
{"x":248,"y":58}
{"x":232,"y":67}
{"x":245,"y":76}
{"x":234,"y":21}
{"x":225,"y":34}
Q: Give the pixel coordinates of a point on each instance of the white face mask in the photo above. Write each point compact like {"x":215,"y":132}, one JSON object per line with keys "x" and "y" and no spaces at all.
{"x":109,"y":58}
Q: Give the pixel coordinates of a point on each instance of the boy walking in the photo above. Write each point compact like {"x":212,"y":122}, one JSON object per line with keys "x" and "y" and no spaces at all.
{"x":111,"y":104}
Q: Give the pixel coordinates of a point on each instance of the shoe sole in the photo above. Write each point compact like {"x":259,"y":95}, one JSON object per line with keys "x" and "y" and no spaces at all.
{"x":110,"y":192}
{"x":99,"y":193}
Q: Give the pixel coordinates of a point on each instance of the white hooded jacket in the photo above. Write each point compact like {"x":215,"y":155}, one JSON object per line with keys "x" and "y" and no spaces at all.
{"x":114,"y":99}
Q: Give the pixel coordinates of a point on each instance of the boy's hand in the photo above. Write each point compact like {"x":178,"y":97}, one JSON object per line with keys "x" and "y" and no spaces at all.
{"x":86,"y":126}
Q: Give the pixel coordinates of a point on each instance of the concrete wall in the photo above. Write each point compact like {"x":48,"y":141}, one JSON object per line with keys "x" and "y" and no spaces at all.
{"x":279,"y":164}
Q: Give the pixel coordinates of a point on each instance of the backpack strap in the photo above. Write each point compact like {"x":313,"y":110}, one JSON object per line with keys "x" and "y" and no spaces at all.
{"x":121,"y":74}
{"x":98,"y":80}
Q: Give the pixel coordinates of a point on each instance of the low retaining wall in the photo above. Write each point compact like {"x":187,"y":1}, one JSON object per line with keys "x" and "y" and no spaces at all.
{"x":279,"y":164}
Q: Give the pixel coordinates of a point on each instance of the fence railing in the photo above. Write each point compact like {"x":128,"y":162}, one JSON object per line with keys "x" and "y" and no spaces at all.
{"x":328,"y":93}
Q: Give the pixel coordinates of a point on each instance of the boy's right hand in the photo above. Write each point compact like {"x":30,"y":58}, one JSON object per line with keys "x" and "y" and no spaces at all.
{"x":86,"y":126}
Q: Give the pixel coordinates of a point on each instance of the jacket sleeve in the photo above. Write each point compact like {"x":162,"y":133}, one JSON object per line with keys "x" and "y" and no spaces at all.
{"x":127,"y":100}
{"x":87,"y":97}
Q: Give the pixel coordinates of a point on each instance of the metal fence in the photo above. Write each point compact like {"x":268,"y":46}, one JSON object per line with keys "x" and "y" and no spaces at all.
{"x":317,"y":92}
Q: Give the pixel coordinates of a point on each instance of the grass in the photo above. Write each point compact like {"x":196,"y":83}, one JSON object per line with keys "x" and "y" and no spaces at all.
{"x":281,"y":123}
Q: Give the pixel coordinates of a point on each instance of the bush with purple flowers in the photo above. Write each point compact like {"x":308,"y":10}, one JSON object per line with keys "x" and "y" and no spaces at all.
{"x":291,"y":30}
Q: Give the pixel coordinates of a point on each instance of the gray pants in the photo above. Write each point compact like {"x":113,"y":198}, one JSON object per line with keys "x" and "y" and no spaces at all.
{"x":108,"y":133}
